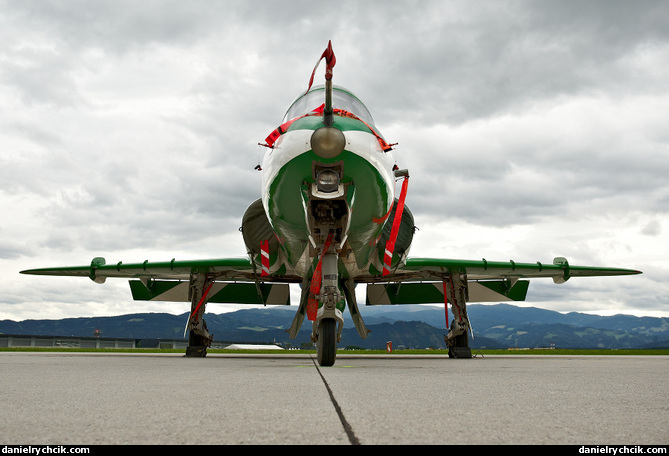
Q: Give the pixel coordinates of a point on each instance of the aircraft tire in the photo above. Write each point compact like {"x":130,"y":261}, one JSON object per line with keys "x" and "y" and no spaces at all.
{"x":327,"y":345}
{"x":460,"y":347}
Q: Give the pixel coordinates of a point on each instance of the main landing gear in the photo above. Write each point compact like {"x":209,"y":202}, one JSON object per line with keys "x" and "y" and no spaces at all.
{"x":199,"y":338}
{"x":457,"y":339}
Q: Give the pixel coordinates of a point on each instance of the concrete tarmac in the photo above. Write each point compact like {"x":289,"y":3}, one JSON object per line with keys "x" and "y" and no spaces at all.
{"x":72,"y":398}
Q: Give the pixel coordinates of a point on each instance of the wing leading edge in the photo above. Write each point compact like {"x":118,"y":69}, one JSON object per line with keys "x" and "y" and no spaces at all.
{"x":172,"y":280}
{"x":560,"y":270}
{"x":99,"y":271}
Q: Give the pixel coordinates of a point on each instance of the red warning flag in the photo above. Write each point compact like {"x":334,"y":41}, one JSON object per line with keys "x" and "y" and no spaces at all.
{"x":330,"y":61}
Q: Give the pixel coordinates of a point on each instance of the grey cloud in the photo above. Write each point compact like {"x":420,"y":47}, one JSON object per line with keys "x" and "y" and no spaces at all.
{"x":653,"y":228}
{"x":511,"y":55}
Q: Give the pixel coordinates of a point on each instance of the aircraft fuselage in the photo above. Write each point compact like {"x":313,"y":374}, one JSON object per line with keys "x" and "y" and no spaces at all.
{"x":308,"y":192}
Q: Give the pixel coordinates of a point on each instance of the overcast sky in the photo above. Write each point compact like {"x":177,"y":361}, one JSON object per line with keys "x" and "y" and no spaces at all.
{"x":129,"y":130}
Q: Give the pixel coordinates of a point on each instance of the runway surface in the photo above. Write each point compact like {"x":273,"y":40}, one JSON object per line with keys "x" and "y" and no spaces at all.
{"x":127,"y":398}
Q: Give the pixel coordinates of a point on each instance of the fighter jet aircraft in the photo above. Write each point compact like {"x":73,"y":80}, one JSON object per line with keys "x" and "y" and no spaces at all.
{"x":328,"y":219}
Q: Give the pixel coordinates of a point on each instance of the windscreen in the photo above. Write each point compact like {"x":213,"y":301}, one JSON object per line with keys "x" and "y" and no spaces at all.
{"x":341,"y":99}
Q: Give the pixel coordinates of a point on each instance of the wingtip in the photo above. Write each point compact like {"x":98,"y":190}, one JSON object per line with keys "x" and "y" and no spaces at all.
{"x":33,"y":272}
{"x":631,"y":272}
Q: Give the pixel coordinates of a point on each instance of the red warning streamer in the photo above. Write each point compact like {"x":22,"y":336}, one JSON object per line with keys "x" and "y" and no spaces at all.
{"x":330,"y":61}
{"x":283,"y":128}
{"x":316,"y":279}
{"x":202,"y":299}
{"x":390,"y":245}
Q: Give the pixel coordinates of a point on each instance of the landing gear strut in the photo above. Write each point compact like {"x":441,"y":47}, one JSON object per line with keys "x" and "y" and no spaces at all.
{"x":457,"y":339}
{"x":199,"y":338}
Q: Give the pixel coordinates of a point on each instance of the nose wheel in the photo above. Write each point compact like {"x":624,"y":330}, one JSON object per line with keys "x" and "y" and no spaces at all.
{"x":327,"y":341}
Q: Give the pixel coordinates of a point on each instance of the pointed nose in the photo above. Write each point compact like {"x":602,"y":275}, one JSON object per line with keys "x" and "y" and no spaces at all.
{"x":328,"y":142}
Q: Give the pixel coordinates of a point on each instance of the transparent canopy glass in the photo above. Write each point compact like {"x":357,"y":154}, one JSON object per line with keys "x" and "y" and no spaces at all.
{"x":341,"y":99}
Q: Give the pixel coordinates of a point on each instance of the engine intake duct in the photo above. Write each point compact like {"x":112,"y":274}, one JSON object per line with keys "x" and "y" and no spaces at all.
{"x":404,"y":235}
{"x":256,"y":228}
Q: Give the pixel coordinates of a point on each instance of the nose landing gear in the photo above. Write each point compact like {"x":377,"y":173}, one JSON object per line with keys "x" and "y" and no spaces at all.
{"x":329,"y":316}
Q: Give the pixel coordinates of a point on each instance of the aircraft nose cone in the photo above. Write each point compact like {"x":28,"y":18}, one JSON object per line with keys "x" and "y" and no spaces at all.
{"x":328,"y":142}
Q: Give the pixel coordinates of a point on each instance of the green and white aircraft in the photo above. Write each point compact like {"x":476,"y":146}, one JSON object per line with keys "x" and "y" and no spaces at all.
{"x":329,"y":219}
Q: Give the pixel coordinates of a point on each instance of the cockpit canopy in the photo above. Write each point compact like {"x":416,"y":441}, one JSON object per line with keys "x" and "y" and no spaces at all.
{"x":341,"y":99}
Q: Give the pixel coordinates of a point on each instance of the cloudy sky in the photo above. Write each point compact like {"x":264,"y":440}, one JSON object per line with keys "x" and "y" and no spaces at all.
{"x":531,"y":130}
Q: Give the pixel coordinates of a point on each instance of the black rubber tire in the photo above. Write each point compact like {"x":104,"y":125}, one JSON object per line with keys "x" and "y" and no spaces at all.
{"x":327,"y":344}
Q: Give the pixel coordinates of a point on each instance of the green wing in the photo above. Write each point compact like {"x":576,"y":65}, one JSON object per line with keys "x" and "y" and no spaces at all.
{"x":488,"y":281}
{"x":560,"y":270}
{"x":169,"y":280}
{"x":99,"y":271}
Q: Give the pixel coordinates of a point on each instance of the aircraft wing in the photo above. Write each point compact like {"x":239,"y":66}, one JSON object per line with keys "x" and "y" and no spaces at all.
{"x":237,"y":280}
{"x":99,"y":271}
{"x":488,"y":281}
{"x":560,"y":270}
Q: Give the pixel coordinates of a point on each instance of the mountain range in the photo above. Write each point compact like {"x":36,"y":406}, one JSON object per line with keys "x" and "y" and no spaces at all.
{"x":409,"y":326}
